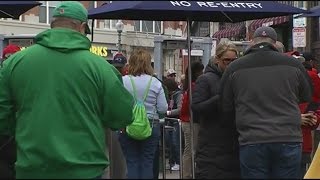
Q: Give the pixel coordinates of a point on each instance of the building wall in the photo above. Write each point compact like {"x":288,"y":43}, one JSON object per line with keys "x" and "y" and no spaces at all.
{"x":29,"y":24}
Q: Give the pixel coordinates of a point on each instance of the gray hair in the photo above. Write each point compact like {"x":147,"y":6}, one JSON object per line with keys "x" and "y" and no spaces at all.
{"x":65,"y":22}
{"x":258,"y":40}
{"x":280,"y":47}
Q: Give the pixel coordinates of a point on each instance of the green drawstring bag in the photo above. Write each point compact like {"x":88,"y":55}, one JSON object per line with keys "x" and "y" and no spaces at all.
{"x":140,"y":128}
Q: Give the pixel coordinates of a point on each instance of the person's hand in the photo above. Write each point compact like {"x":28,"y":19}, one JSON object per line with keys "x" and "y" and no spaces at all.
{"x":308,"y":119}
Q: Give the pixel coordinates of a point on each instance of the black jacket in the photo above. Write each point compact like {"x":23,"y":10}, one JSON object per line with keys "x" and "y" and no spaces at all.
{"x":264,"y":88}
{"x":217,"y":150}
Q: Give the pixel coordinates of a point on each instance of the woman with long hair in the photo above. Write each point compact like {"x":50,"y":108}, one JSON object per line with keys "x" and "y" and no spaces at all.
{"x":196,"y":71}
{"x":140,"y":154}
{"x":217,"y":150}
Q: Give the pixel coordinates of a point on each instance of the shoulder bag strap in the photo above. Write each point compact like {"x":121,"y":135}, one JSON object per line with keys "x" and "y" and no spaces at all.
{"x":147,"y":90}
{"x":134,"y":88}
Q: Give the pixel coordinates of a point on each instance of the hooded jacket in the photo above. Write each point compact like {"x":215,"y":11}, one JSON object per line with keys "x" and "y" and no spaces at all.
{"x":217,"y":150}
{"x":64,"y":98}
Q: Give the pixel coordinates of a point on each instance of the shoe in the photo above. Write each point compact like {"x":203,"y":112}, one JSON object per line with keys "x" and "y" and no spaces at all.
{"x":168,"y":166}
{"x":176,"y":167}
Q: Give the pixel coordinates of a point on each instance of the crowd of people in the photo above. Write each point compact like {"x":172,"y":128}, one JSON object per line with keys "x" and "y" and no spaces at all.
{"x":65,"y":112}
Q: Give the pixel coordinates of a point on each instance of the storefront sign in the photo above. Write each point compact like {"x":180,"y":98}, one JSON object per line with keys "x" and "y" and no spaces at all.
{"x":103,"y":51}
{"x":100,"y":50}
{"x":299,"y":37}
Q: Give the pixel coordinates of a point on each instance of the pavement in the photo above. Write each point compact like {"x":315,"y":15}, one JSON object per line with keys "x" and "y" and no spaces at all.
{"x":172,"y":175}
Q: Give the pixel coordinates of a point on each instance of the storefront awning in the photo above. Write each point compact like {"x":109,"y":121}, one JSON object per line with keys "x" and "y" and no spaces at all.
{"x":228,"y":32}
{"x":268,"y":22}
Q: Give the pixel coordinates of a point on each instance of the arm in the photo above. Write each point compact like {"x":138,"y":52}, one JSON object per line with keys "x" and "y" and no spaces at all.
{"x":117,"y":101}
{"x":201,"y":100}
{"x":176,"y":112}
{"x":6,"y":102}
{"x":227,"y":100}
{"x":162,"y":104}
{"x":227,"y":96}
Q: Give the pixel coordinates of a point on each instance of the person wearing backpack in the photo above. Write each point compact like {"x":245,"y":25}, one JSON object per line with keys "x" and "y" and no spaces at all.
{"x":140,"y":139}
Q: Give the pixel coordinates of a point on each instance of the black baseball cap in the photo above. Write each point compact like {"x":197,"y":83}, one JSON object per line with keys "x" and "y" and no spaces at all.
{"x":308,"y":56}
{"x":119,"y":60}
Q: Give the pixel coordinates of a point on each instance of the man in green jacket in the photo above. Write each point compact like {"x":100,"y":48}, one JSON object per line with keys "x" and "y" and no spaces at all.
{"x":63,"y":98}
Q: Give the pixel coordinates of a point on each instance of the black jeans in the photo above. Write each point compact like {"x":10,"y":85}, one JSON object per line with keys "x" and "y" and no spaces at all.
{"x":7,"y":157}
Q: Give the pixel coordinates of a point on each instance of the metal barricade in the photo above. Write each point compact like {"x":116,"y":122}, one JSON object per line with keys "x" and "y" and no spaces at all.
{"x":168,"y":127}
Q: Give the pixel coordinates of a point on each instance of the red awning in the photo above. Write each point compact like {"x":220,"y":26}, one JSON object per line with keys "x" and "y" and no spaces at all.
{"x":228,"y":32}
{"x":268,"y":22}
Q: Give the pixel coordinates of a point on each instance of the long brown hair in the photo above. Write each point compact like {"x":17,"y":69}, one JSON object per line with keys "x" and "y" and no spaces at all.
{"x":140,"y":63}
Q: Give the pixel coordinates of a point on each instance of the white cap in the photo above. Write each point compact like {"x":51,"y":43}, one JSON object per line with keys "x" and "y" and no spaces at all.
{"x":171,"y":71}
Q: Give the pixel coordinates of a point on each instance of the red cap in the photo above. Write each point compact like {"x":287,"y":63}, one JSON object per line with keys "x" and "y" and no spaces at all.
{"x":10,"y":49}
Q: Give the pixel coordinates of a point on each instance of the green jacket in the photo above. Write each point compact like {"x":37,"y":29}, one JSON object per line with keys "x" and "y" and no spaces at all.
{"x":64,"y":97}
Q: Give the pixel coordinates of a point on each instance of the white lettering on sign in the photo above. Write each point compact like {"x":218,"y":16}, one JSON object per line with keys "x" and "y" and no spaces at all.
{"x":251,"y":5}
{"x":225,"y":4}
{"x":179,"y":3}
{"x":234,"y":5}
{"x":215,"y":4}
{"x":212,"y":4}
{"x":258,"y":4}
{"x":202,"y":4}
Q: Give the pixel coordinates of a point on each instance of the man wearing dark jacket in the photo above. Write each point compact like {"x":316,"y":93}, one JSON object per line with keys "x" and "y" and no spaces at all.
{"x":263,"y":89}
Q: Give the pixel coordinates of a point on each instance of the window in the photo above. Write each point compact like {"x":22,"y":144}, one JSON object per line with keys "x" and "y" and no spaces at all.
{"x":46,"y":11}
{"x":110,"y":24}
{"x":299,"y":4}
{"x":147,"y":26}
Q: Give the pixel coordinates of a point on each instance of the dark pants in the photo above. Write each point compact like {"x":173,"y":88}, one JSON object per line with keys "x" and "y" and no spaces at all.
{"x":117,"y":167}
{"x":271,"y":160}
{"x":173,"y":140}
{"x":305,"y":163}
{"x":140,"y":154}
{"x":316,"y":140}
{"x":7,"y":157}
{"x":156,"y":163}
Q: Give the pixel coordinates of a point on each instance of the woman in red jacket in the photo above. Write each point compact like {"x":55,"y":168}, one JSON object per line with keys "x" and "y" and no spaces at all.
{"x":309,"y":113}
{"x":310,"y":121}
{"x":196,"y":71}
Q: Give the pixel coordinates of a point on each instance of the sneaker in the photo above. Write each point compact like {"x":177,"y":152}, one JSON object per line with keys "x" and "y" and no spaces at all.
{"x":168,"y":166}
{"x":176,"y":167}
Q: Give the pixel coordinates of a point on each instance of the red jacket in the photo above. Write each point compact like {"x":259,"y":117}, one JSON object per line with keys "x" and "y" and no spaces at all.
{"x":306,"y":130}
{"x":185,"y":111}
{"x":316,"y":85}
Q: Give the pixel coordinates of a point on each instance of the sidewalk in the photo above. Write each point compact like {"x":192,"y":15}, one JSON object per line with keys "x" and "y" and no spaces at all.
{"x":173,"y":175}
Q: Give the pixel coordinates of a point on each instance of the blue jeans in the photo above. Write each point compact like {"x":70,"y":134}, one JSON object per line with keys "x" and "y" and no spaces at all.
{"x":173,"y":140}
{"x":140,"y":154}
{"x":270,"y":160}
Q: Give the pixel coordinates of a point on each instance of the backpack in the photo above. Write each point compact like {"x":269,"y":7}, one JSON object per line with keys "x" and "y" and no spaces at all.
{"x":140,"y":128}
